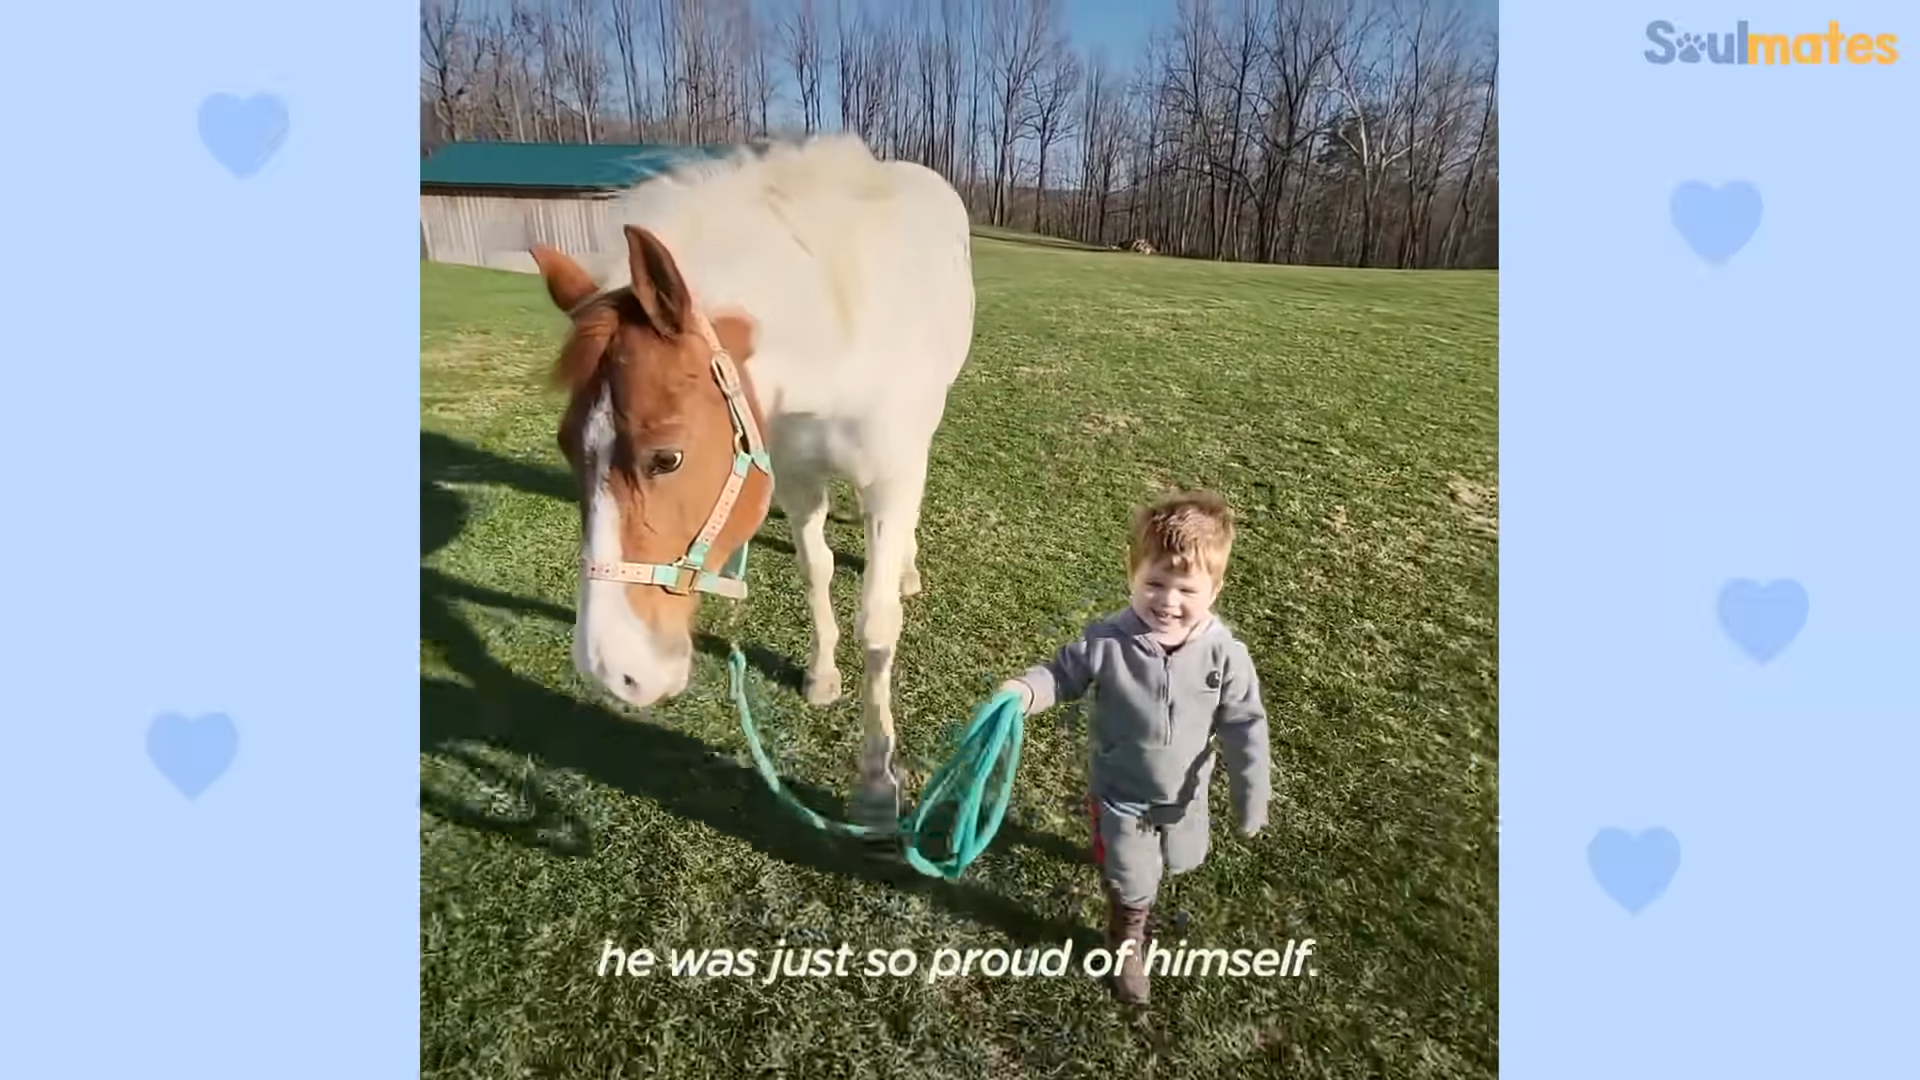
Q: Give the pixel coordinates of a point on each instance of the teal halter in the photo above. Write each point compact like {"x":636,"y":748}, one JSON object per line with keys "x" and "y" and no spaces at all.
{"x":689,"y":573}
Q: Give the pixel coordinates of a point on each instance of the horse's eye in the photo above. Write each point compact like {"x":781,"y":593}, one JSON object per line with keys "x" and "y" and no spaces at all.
{"x":664,"y":461}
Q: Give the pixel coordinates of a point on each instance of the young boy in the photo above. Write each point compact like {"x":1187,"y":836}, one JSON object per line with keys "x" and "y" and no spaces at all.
{"x":1170,"y":678}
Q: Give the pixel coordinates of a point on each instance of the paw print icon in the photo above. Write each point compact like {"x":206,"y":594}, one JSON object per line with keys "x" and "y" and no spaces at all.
{"x":1690,"y":46}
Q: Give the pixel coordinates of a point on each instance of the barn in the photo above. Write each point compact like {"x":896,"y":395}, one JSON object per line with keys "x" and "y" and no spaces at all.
{"x":487,"y":203}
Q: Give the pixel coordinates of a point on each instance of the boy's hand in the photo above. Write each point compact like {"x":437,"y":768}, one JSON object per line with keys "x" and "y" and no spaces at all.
{"x":1022,"y":689}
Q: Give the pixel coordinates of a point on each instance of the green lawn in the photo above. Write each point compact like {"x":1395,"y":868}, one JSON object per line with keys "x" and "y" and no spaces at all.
{"x":1350,"y":418}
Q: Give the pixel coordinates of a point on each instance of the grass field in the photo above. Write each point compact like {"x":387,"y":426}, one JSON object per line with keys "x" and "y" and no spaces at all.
{"x":1350,"y":416}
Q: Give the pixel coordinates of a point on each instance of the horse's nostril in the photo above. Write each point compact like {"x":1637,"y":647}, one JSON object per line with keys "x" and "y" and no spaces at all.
{"x":631,"y":685}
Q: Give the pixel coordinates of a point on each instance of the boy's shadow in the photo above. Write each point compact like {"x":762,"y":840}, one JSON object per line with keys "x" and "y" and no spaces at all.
{"x":505,"y":711}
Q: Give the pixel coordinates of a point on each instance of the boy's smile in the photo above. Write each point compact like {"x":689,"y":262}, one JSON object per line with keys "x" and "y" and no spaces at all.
{"x":1172,"y":603}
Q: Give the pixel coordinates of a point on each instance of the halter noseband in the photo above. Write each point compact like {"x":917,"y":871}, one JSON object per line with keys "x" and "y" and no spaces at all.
{"x":688,"y":574}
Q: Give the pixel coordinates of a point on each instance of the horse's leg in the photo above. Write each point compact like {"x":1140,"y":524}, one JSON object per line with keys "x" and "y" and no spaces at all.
{"x":910,"y":578}
{"x":805,"y":501}
{"x":892,"y":509}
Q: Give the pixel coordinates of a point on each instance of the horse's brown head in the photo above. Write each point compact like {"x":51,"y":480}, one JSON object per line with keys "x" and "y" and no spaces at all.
{"x":652,"y":444}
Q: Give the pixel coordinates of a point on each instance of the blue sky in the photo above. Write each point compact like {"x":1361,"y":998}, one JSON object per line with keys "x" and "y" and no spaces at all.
{"x":1122,"y":25}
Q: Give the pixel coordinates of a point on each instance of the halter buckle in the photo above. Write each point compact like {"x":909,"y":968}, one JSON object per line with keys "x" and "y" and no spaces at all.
{"x":684,"y":578}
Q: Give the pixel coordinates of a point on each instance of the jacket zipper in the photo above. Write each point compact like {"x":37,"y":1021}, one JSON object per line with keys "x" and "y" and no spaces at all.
{"x":1166,"y":694}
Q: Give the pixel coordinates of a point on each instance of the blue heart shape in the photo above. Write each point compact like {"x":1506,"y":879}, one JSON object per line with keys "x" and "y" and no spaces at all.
{"x":243,"y":134}
{"x":192,"y":753}
{"x":1763,"y":619}
{"x":1634,"y":870}
{"x":1716,"y":222}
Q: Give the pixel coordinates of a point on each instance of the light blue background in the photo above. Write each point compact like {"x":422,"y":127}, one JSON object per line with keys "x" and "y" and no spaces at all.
{"x":1666,"y":426}
{"x":208,"y":432}
{"x":209,"y":426}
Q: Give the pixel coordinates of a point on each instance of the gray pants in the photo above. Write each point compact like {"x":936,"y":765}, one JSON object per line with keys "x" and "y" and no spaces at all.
{"x":1138,"y":851}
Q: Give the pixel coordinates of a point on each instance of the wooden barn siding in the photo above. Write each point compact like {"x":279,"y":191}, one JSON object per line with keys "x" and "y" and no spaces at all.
{"x":497,"y":230}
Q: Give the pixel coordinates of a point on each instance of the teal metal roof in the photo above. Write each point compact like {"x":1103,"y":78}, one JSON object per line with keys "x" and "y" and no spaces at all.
{"x":574,"y":166}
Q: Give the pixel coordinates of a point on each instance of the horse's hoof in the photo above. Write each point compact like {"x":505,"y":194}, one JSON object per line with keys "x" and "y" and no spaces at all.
{"x":878,"y":814}
{"x":823,"y":687}
{"x":876,"y":806}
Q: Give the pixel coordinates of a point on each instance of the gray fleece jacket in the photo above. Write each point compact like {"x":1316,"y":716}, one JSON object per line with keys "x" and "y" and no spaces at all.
{"x":1155,"y":714}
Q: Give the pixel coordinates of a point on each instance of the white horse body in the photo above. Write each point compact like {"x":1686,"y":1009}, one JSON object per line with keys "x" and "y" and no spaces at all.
{"x":858,"y":276}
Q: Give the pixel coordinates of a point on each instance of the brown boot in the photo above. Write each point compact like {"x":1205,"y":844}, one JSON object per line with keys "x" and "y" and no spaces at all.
{"x":1128,"y":923}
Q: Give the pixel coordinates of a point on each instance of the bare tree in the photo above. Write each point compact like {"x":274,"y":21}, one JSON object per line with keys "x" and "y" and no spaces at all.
{"x":504,"y":81}
{"x":885,"y":42}
{"x":1461,"y":222}
{"x":850,"y":62}
{"x":1357,"y":132}
{"x":801,"y":44}
{"x":924,"y":75}
{"x":1046,"y":117}
{"x":1364,"y":90}
{"x":1299,"y":46}
{"x":446,"y":63}
{"x":975,"y":91}
{"x":1440,"y":84}
{"x":624,"y":16}
{"x":760,"y":74}
{"x":1099,"y":148}
{"x":1018,"y":34}
{"x":583,"y":61}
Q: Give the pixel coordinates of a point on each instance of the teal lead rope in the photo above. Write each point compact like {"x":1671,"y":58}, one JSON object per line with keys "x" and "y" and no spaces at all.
{"x":996,"y":730}
{"x":996,"y":726}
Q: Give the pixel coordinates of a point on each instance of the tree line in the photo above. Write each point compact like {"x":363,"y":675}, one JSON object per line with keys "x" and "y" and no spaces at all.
{"x":1326,"y":132}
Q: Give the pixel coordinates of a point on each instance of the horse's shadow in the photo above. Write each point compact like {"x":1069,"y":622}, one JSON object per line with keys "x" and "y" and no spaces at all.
{"x":842,"y":560}
{"x":500,"y":709}
{"x":772,"y":666}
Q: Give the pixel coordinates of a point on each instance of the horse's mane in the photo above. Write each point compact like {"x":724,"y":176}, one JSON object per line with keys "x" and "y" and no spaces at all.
{"x":819,"y":192}
{"x":838,"y":162}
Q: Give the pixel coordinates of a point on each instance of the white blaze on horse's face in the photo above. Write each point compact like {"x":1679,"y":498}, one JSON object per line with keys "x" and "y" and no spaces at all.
{"x":611,"y":643}
{"x":649,"y":434}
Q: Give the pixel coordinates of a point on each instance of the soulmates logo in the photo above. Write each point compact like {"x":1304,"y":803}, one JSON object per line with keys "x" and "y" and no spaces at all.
{"x":1741,"y":46}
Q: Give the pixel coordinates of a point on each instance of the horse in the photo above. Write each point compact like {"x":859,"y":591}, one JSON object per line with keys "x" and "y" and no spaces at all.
{"x":798,"y":312}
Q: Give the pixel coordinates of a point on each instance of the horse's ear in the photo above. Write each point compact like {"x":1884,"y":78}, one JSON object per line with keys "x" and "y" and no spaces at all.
{"x":736,"y":336}
{"x":657,"y":283}
{"x":567,"y":283}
